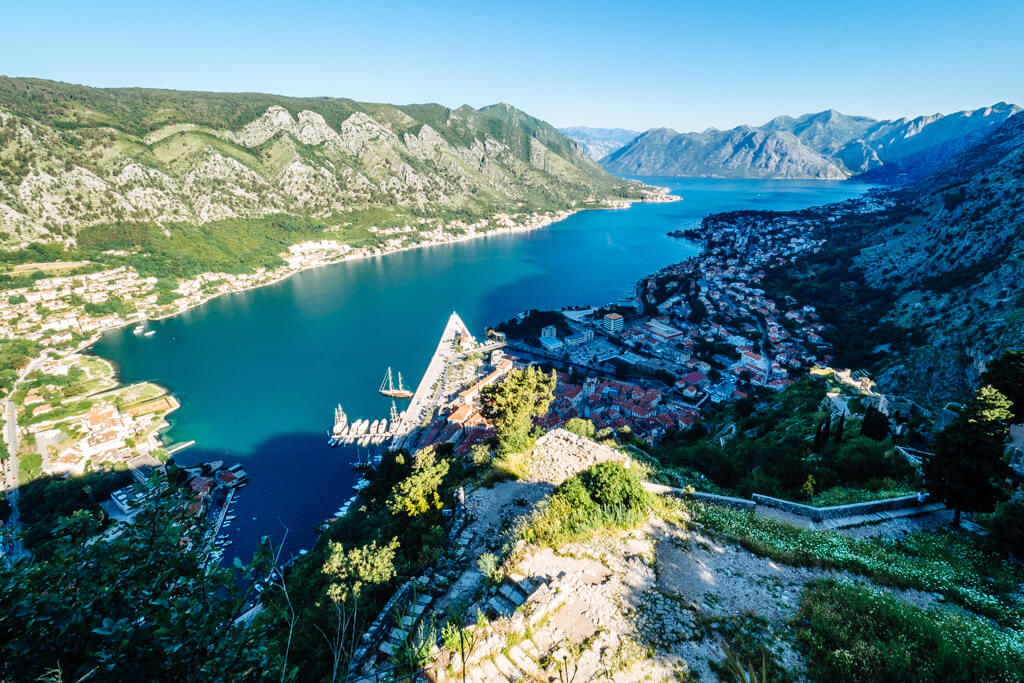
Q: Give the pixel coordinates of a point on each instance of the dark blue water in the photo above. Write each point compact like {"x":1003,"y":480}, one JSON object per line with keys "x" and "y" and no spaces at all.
{"x":259,"y":373}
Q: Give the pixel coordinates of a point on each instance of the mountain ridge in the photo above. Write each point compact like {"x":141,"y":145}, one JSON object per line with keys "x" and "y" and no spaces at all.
{"x":825,"y":145}
{"x":941,"y":268}
{"x":74,"y":156}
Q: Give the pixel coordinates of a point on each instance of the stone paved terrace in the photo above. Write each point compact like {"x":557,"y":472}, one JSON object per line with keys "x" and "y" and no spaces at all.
{"x":560,"y":454}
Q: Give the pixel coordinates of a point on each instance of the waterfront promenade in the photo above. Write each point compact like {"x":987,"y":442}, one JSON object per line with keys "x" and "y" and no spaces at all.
{"x":425,"y":399}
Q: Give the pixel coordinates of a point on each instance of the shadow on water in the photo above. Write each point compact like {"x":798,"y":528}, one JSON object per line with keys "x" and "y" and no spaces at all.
{"x":303,"y":477}
{"x":293,"y":478}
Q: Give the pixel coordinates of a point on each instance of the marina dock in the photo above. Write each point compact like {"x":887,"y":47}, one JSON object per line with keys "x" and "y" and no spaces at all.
{"x":455,"y":343}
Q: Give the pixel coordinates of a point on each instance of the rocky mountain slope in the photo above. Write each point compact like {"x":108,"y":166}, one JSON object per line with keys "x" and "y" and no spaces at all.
{"x":73,"y":156}
{"x":940,"y":269}
{"x":738,"y":153}
{"x":826,"y":145}
{"x":600,"y":142}
{"x":957,"y":265}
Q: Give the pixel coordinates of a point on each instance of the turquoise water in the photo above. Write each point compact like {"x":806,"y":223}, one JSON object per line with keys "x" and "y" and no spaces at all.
{"x":259,"y":373}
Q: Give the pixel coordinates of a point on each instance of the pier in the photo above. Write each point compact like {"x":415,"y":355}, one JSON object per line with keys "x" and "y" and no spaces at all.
{"x":456,"y":343}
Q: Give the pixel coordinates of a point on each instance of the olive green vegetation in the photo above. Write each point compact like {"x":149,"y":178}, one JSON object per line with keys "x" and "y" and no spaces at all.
{"x":581,"y":427}
{"x":137,"y":605}
{"x":15,"y":354}
{"x":606,"y":496}
{"x":792,"y":449}
{"x":513,"y":403}
{"x":1006,"y":375}
{"x":852,"y":633}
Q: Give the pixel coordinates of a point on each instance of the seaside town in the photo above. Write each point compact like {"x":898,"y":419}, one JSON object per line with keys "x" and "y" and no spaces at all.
{"x":69,"y":311}
{"x":65,"y":423}
{"x":692,"y":337}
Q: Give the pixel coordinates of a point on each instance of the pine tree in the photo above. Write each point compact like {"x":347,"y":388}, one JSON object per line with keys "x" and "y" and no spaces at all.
{"x":966,"y":469}
{"x":1007,"y":375}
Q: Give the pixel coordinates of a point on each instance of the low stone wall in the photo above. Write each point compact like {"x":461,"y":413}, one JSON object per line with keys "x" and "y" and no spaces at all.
{"x":712,"y":498}
{"x":838,"y":511}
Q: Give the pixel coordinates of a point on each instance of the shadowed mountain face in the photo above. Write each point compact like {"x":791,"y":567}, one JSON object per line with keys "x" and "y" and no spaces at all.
{"x":826,"y":145}
{"x":931,"y":283}
{"x":956,"y":264}
{"x":73,"y":156}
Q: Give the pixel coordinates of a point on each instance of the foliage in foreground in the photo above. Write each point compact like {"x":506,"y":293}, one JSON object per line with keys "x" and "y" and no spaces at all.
{"x":134,"y":605}
{"x":607,"y":495}
{"x":957,"y":566}
{"x":853,"y":633}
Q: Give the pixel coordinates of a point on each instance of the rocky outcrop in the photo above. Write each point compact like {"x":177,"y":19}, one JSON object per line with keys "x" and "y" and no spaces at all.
{"x":560,"y":454}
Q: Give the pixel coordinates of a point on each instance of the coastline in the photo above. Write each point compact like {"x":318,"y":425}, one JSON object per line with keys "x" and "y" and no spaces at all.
{"x":663,"y":195}
{"x":532,"y":222}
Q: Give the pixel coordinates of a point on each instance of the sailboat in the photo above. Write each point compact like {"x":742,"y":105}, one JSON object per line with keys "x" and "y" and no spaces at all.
{"x":340,"y":420}
{"x":387,"y":387}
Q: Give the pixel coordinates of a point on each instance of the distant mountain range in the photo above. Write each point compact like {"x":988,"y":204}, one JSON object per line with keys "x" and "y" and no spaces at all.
{"x":600,"y":142}
{"x":73,"y":157}
{"x":827,"y":145}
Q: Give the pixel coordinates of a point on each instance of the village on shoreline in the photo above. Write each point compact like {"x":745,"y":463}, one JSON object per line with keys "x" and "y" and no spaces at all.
{"x":70,"y":405}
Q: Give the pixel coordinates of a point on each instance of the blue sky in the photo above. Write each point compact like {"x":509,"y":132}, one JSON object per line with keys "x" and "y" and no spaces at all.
{"x":638,"y":65}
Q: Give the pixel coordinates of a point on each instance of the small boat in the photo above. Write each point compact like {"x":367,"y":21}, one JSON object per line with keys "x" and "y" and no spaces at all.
{"x":139,"y":329}
{"x":229,"y":518}
{"x":387,"y":386}
{"x":340,"y":420}
{"x":149,"y":333}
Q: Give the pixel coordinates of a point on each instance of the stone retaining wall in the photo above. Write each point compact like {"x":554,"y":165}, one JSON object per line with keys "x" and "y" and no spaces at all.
{"x":714,"y":499}
{"x":838,"y":511}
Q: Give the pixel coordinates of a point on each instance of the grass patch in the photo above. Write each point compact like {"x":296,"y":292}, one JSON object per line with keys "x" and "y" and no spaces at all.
{"x":749,"y":646}
{"x":852,"y":633}
{"x":842,"y":495}
{"x":963,"y":568}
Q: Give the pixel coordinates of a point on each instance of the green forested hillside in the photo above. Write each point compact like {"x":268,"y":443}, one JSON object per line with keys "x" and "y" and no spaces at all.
{"x":72,"y":157}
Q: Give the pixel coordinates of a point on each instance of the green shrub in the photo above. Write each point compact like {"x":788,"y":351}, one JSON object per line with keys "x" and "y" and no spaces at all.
{"x":490,"y":567}
{"x":607,"y":495}
{"x":852,"y":633}
{"x":581,"y":427}
{"x":610,"y":484}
